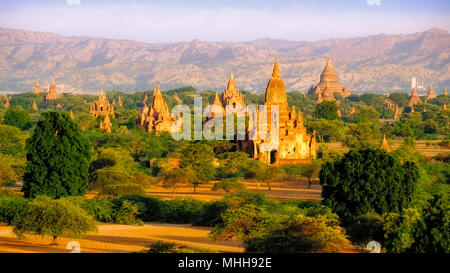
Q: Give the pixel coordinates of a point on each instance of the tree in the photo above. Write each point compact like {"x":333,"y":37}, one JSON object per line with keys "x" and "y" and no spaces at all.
{"x":172,"y":178}
{"x":199,"y":157}
{"x":232,"y":164}
{"x":12,"y":140}
{"x":17,"y":117}
{"x":367,"y":180}
{"x":229,"y":184}
{"x":11,"y":169}
{"x":301,"y":234}
{"x":327,"y":110}
{"x":266,"y":173}
{"x":310,"y":171}
{"x":57,"y":159}
{"x":47,"y":217}
{"x":431,"y":233}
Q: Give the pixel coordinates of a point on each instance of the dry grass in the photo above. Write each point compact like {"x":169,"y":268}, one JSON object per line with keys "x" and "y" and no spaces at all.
{"x":120,"y":238}
{"x":282,"y":190}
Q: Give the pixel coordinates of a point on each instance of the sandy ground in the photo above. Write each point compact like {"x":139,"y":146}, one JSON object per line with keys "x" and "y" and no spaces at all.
{"x":112,"y":238}
{"x":421,"y":146}
{"x":283,"y":190}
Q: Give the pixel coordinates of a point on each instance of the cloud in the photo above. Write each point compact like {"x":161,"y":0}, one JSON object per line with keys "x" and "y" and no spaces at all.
{"x":373,"y":2}
{"x":151,"y":23}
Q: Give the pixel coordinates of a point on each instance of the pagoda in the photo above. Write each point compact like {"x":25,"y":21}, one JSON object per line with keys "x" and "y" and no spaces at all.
{"x":52,"y":93}
{"x":232,"y":96}
{"x":414,"y":99}
{"x":445,"y":92}
{"x":329,"y":77}
{"x":101,"y":107}
{"x":430,"y":94}
{"x":35,"y":107}
{"x":37,"y":89}
{"x":156,"y":117}
{"x":295,"y":145}
{"x":385,"y":145}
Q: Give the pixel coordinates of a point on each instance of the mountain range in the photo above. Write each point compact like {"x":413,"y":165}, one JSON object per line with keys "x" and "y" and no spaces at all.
{"x":379,"y":63}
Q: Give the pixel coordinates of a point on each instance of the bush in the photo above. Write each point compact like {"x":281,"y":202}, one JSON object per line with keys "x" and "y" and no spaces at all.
{"x":125,"y":212}
{"x":12,"y":209}
{"x":300,"y":234}
{"x":166,"y":247}
{"x":229,"y":184}
{"x":149,"y":208}
{"x":47,"y":217}
{"x":368,"y":227}
{"x":211,"y":213}
{"x":181,"y":211}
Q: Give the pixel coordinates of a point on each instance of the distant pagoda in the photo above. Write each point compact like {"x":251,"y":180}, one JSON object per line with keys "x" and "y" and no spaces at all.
{"x":329,"y":78}
{"x":232,"y":96}
{"x":35,"y":107}
{"x":52,"y":93}
{"x":445,"y":92}
{"x":37,"y":89}
{"x":101,"y":107}
{"x":156,"y":117}
{"x":385,"y":145}
{"x":414,"y":98}
{"x":430,"y":94}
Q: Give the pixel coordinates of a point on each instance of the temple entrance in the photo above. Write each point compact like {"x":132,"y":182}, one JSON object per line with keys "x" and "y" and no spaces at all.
{"x":273,"y":157}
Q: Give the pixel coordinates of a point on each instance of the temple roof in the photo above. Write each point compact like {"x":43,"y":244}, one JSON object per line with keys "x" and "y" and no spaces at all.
{"x":385,"y":145}
{"x":276,"y":89}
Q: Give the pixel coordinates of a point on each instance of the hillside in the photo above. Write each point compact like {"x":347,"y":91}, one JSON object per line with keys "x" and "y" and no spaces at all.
{"x":374,"y":63}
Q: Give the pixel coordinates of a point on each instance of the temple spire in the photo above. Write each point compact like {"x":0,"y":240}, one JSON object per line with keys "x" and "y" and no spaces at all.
{"x":276,"y":69}
{"x":385,"y":145}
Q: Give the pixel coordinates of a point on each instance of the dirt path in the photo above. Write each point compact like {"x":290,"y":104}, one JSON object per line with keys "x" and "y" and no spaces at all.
{"x":120,"y":238}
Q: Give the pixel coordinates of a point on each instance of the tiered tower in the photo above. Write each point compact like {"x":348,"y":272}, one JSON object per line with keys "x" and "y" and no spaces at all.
{"x":294,"y":144}
{"x":52,"y":93}
{"x":329,"y":78}
{"x":101,"y":107}
{"x":37,"y":89}
{"x":430,"y":94}
{"x":232,"y":96}
{"x":414,"y":98}
{"x":156,"y":117}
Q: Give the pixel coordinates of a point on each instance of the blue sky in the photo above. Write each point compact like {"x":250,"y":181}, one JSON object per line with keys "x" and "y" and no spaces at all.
{"x":232,"y":20}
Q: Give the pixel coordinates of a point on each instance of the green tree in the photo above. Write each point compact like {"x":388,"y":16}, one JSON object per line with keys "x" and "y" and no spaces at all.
{"x":47,"y":217}
{"x":172,"y":178}
{"x":57,"y":159}
{"x":11,"y":169}
{"x":301,"y":234}
{"x":431,"y":233}
{"x":267,"y":174}
{"x":367,"y":180}
{"x":229,"y":184}
{"x":17,"y":117}
{"x":12,"y":140}
{"x":327,"y":110}
{"x":310,"y":171}
{"x":199,"y":157}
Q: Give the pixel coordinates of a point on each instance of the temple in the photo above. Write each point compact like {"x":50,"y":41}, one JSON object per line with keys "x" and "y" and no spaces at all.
{"x":445,"y":92}
{"x":157,"y":116}
{"x":106,"y":124}
{"x":37,"y":89}
{"x":232,"y":96}
{"x":52,"y":93}
{"x":6,"y":103}
{"x":414,"y":98}
{"x":430,"y":94}
{"x":329,"y":82}
{"x":35,"y":107}
{"x":294,"y":144}
{"x":385,"y":145}
{"x":101,"y":107}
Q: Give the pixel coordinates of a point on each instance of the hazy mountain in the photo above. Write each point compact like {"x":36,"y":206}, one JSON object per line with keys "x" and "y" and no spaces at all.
{"x":381,"y":62}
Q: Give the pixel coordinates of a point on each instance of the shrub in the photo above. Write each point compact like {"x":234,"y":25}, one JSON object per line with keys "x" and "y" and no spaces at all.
{"x":125,"y":213}
{"x":47,"y":217}
{"x":229,"y":184}
{"x":211,"y":213}
{"x":181,"y":211}
{"x":149,"y":208}
{"x":300,"y":234}
{"x":368,"y":227}
{"x":12,"y":209}
{"x":166,"y":247}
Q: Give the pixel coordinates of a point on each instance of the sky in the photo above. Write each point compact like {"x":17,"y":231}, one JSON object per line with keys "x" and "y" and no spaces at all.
{"x":160,"y":21}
